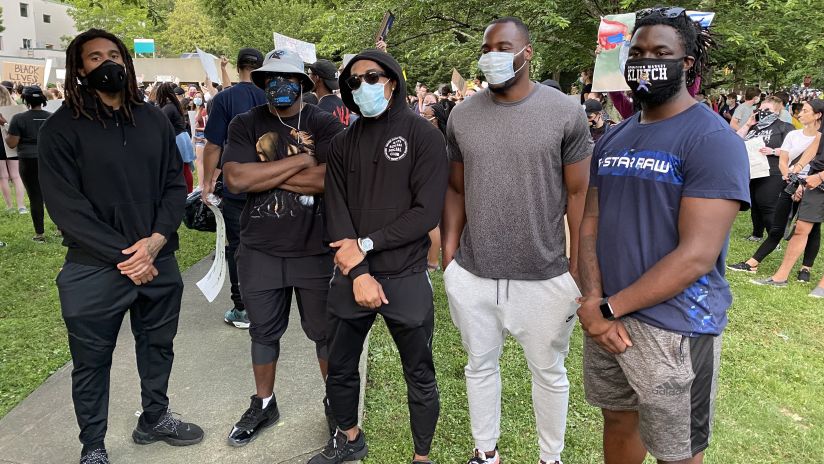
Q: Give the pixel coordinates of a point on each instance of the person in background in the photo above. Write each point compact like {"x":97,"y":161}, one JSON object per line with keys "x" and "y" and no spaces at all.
{"x":764,"y":191}
{"x":201,"y":118}
{"x":324,"y":75}
{"x":420,"y":93}
{"x":10,"y":163}
{"x":170,"y":106}
{"x":785,"y":115}
{"x":752,"y":96}
{"x":24,"y":129}
{"x":598,"y":126}
{"x":796,"y":111}
{"x":437,"y":115}
{"x":238,"y":99}
{"x":444,"y":98}
{"x":728,"y":108}
{"x":112,"y":181}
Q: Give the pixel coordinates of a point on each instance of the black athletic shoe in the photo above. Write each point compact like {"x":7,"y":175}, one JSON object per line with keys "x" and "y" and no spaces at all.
{"x":169,"y":428}
{"x":97,"y":456}
{"x":804,"y":275}
{"x":742,"y":267}
{"x":253,"y":421}
{"x":330,"y":417}
{"x":340,"y":449}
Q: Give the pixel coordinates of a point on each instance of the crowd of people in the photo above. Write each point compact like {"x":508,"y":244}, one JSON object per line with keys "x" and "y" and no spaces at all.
{"x":339,"y":188}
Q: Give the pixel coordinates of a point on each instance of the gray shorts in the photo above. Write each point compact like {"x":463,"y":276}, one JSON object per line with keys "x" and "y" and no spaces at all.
{"x":670,"y":379}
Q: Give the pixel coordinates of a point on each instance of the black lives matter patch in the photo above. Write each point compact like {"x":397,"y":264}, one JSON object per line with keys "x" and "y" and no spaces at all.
{"x":396,"y":149}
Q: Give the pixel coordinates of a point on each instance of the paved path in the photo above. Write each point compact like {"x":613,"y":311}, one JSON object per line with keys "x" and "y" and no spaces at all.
{"x":210,"y":385}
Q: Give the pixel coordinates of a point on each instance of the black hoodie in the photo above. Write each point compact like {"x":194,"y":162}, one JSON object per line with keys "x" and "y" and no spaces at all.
{"x":386,"y":180}
{"x":108,"y":187}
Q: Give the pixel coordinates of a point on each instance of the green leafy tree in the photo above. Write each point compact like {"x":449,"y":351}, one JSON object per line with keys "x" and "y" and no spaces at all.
{"x":190,"y":25}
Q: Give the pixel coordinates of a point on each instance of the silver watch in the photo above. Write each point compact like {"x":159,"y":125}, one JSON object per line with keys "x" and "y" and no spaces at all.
{"x":366,"y":245}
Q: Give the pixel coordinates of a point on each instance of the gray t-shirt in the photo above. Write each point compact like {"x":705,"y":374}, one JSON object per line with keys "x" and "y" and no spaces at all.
{"x":513,"y":156}
{"x":742,"y":113}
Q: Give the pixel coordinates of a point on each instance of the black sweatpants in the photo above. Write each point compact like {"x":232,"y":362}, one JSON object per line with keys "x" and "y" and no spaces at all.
{"x":784,"y":209}
{"x":94,"y":301}
{"x":410,"y":319}
{"x":764,"y":198}
{"x":31,"y":180}
{"x":231,"y":216}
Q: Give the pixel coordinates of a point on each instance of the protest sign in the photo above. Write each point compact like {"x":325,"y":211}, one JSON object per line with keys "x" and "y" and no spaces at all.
{"x":614,"y":35}
{"x":306,"y":50}
{"x":386,"y":26}
{"x":146,"y":46}
{"x":24,"y":73}
{"x":458,"y":82}
{"x":759,"y":166}
{"x":704,"y":18}
{"x":208,"y":62}
{"x":8,"y":112}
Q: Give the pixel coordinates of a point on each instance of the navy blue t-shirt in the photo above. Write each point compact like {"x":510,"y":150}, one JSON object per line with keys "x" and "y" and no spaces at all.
{"x":642,"y":171}
{"x":227,"y":104}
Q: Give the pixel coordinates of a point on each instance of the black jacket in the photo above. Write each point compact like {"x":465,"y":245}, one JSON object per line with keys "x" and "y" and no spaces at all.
{"x":386,"y":180}
{"x":106,"y":187}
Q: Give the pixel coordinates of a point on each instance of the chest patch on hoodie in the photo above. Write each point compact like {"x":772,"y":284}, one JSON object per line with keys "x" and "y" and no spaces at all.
{"x":396,"y":149}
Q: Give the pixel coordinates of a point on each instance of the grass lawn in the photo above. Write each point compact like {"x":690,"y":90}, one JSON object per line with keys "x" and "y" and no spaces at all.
{"x":769,"y":408}
{"x":33,"y":341}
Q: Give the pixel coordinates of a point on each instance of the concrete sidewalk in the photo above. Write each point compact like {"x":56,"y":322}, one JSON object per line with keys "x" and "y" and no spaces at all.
{"x":210,"y":385}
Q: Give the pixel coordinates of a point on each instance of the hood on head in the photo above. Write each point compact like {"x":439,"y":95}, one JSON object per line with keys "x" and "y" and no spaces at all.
{"x":393,"y":71}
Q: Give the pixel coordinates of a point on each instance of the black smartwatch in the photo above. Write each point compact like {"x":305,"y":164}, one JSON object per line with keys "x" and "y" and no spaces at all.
{"x":606,"y":310}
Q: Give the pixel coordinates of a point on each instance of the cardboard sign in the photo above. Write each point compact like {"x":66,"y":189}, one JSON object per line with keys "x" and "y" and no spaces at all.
{"x":24,"y":73}
{"x":386,"y":26}
{"x":305,"y":50}
{"x":458,"y":82}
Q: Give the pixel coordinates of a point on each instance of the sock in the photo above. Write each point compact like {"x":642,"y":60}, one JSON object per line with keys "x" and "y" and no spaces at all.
{"x":491,"y":454}
{"x":266,"y":401}
{"x":91,"y":447}
{"x":151,"y":418}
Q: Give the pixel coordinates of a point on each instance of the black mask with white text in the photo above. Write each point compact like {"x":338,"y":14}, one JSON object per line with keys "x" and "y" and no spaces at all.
{"x":654,"y":81}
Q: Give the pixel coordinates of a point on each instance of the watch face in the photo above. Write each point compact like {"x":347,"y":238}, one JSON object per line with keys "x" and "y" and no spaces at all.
{"x":367,"y":244}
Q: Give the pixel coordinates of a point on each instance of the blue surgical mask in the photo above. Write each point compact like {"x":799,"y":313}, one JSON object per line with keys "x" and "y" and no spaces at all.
{"x":198,"y":101}
{"x":498,"y":67}
{"x":370,"y":99}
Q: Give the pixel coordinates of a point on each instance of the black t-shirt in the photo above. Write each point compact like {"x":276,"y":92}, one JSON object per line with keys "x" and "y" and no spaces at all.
{"x":26,"y":125}
{"x":279,"y":222}
{"x":597,"y":132}
{"x":333,"y":104}
{"x":175,"y":117}
{"x":817,"y":164}
{"x":773,"y":136}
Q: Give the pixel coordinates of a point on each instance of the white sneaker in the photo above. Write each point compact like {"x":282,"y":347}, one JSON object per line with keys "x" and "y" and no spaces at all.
{"x":480,"y":458}
{"x":23,"y":210}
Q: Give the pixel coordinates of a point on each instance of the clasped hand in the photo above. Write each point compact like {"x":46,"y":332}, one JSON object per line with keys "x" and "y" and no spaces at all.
{"x":140,"y":265}
{"x":610,"y":335}
{"x":348,"y":255}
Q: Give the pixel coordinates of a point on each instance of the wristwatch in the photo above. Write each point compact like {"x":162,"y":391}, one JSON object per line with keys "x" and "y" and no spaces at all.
{"x":606,"y":310}
{"x":366,"y":245}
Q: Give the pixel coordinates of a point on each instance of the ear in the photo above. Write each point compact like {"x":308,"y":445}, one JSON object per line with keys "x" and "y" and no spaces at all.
{"x":528,"y":52}
{"x":689,"y":62}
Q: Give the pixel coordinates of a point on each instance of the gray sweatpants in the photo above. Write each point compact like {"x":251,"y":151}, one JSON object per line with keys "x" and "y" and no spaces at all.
{"x":540,"y":315}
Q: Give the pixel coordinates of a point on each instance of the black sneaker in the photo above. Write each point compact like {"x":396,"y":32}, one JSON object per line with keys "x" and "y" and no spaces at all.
{"x":330,"y":417}
{"x":169,"y":428}
{"x":253,"y":421}
{"x":804,"y":275}
{"x":97,"y":456}
{"x":742,"y":267}
{"x":340,"y":449}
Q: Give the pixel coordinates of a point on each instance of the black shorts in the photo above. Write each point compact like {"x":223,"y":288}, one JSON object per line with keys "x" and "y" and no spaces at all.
{"x":812,"y":206}
{"x":266,"y":285}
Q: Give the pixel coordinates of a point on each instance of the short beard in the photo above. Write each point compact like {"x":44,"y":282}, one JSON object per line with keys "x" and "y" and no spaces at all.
{"x":662,"y":94}
{"x":503,"y":87}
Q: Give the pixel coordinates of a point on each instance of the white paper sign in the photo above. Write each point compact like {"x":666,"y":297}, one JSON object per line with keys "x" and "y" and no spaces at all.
{"x":53,"y":105}
{"x":306,"y":50}
{"x":49,"y":63}
{"x":759,"y":166}
{"x":60,"y":74}
{"x":192,"y":121}
{"x":212,"y":283}
{"x":208,"y":62}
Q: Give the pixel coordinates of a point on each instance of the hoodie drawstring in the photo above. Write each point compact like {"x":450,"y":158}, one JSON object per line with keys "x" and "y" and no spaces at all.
{"x":498,"y":291}
{"x":119,"y":123}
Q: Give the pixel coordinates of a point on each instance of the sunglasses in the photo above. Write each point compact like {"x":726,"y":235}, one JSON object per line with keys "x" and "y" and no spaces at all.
{"x":370,"y":77}
{"x":668,"y":12}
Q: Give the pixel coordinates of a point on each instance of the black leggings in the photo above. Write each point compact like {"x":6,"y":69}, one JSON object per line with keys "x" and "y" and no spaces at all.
{"x":31,"y":180}
{"x":785,"y":207}
{"x":764,"y":194}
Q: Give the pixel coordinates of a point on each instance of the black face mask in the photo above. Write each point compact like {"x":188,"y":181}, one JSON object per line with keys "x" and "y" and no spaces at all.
{"x":282,"y":93}
{"x":654,"y":81}
{"x":109,"y":77}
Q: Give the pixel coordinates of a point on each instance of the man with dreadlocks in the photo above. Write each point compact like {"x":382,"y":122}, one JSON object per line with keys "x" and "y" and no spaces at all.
{"x":112,"y":181}
{"x":665,"y":187}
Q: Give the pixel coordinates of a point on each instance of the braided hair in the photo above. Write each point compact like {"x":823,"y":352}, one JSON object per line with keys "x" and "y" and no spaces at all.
{"x":696,"y":40}
{"x":77,"y":95}
{"x":166,"y":95}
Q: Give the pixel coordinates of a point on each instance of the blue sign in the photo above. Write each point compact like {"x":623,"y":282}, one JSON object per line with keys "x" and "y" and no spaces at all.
{"x":144,"y":46}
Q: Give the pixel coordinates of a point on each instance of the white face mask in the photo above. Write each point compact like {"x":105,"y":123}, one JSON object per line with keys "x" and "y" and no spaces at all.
{"x":498,"y":67}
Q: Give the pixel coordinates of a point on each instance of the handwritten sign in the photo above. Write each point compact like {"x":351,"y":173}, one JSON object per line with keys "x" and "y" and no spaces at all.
{"x":23,"y":73}
{"x":458,"y":82}
{"x":305,"y":50}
